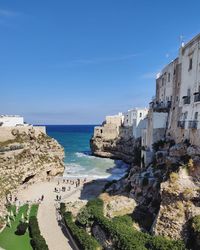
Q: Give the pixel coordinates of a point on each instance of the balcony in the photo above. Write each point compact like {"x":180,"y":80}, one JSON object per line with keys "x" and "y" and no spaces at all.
{"x":197,"y":97}
{"x":186,"y":99}
{"x":160,"y":106}
{"x":193,"y":124}
{"x":181,"y":124}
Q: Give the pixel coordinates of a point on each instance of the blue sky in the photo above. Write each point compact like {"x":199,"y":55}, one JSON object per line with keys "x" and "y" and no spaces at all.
{"x":75,"y":61}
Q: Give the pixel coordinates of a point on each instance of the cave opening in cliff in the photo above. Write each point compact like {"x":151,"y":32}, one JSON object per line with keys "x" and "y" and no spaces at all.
{"x":28,"y":178}
{"x":48,"y":172}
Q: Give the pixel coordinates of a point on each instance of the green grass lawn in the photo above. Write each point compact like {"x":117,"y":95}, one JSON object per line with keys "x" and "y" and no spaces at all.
{"x":9,"y":240}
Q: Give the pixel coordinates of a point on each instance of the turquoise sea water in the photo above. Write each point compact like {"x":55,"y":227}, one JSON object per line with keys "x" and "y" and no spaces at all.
{"x":78,"y":159}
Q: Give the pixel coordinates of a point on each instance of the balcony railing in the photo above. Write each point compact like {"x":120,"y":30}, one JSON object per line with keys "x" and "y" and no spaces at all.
{"x":181,"y":124}
{"x":186,"y":99}
{"x":197,"y":97}
{"x":160,"y":106}
{"x":193,"y":124}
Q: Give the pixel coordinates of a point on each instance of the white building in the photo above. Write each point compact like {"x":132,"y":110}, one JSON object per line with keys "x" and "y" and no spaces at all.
{"x":135,"y":118}
{"x":164,"y":84}
{"x":189,"y":103}
{"x":11,"y":120}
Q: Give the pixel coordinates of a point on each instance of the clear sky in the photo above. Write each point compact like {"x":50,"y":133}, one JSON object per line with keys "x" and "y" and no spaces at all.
{"x":75,"y":61}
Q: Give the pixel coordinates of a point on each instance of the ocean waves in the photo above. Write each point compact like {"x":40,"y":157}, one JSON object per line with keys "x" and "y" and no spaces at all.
{"x":83,"y":164}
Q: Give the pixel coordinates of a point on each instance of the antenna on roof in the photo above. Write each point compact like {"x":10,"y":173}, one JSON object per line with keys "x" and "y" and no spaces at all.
{"x":182,"y":40}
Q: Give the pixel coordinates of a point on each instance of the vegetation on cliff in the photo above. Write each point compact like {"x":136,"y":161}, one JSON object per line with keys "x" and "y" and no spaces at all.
{"x":119,"y":231}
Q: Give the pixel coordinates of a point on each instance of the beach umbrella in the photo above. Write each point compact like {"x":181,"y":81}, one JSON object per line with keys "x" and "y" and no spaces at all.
{"x":22,"y":217}
{"x":8,"y":222}
{"x":12,"y":215}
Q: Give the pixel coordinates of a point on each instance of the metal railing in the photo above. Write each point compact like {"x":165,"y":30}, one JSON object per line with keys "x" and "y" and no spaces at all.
{"x":160,"y":106}
{"x":193,"y":124}
{"x":197,"y":97}
{"x":181,"y":124}
{"x":186,"y":100}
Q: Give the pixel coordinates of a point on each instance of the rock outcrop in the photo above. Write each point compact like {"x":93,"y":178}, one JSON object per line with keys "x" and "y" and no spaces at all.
{"x":27,"y":158}
{"x":166,"y":193}
{"x":179,"y":204}
{"x":122,"y":146}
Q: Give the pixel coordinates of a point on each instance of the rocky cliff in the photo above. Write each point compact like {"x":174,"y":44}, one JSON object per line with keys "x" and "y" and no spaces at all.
{"x":123,"y":146}
{"x":166,"y":192}
{"x":27,"y":158}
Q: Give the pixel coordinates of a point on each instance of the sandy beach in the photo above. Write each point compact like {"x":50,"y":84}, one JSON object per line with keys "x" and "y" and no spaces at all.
{"x":53,"y":192}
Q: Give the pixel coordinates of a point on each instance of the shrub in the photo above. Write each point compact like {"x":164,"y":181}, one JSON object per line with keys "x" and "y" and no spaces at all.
{"x":173,"y":177}
{"x":126,"y":219}
{"x":62,"y":208}
{"x":124,"y":236}
{"x":37,"y":241}
{"x":194,"y":238}
{"x":157,"y":145}
{"x":161,"y":243}
{"x":83,"y":239}
{"x":196,"y":224}
{"x":84,"y":217}
{"x":21,"y":228}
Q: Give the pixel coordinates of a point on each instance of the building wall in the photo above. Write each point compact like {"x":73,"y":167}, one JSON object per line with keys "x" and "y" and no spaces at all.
{"x":156,"y":127}
{"x":164,"y":83}
{"x":11,"y":121}
{"x":115,"y":119}
{"x":139,"y":123}
{"x":130,"y":117}
{"x":190,"y":84}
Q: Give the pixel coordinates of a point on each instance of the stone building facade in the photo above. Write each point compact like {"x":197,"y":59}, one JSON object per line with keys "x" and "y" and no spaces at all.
{"x":175,"y":111}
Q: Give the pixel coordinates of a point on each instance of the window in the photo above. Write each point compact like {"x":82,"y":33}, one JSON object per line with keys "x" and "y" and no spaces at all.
{"x":190,"y":64}
{"x":169,"y":76}
{"x":196,"y":116}
{"x":185,"y":115}
{"x":188,"y":92}
{"x":140,"y":114}
{"x":163,"y":81}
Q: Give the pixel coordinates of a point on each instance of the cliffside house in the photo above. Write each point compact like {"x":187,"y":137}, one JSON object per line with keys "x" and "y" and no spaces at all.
{"x":135,"y":118}
{"x":11,"y":120}
{"x":174,"y":113}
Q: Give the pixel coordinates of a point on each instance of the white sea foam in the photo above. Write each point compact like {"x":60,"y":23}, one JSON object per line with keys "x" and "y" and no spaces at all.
{"x":79,"y":154}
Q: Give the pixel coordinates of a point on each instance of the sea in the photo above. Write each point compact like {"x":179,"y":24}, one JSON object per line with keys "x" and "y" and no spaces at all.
{"x":79,"y":162}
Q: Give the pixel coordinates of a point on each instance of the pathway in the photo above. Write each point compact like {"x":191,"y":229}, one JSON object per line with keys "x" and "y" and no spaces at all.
{"x":56,"y":236}
{"x":50,"y":229}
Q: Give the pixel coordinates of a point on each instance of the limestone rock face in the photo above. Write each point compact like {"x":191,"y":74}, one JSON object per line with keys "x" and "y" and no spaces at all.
{"x":118,"y":148}
{"x":117,"y":205}
{"x":193,"y":150}
{"x":26,"y":159}
{"x":178,"y":150}
{"x":178,"y":206}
